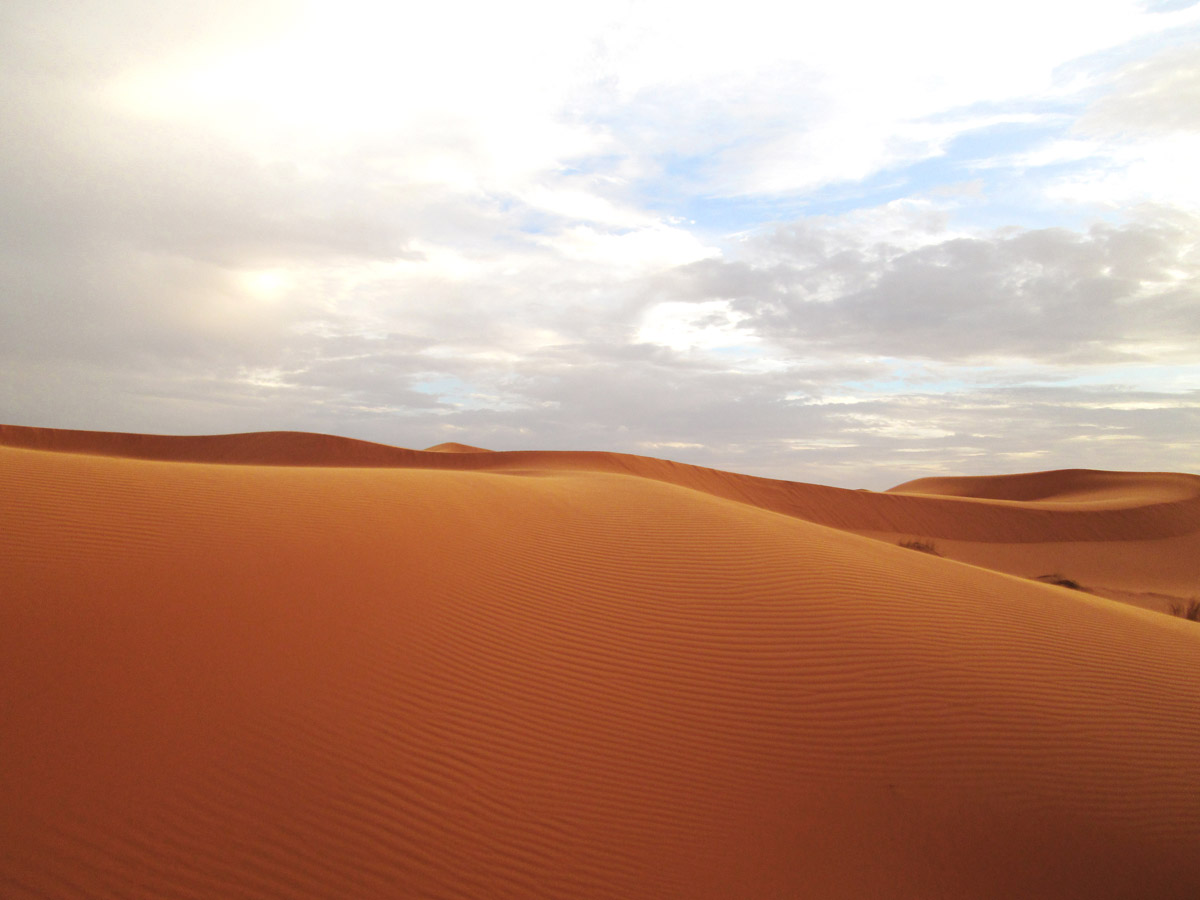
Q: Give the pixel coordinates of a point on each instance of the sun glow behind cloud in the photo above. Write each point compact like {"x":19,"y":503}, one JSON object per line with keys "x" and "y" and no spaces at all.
{"x":346,"y":72}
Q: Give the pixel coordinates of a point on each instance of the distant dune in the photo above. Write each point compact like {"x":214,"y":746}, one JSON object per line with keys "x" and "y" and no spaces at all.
{"x":455,"y":447}
{"x":296,"y":665}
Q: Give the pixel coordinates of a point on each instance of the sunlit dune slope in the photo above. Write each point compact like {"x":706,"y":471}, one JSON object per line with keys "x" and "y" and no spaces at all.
{"x":557,"y":675}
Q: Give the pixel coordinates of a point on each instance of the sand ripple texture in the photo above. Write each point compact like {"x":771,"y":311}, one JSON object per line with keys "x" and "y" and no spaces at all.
{"x":283,"y":665}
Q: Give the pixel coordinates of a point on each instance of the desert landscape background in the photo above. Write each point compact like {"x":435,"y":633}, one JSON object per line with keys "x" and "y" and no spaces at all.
{"x":297,"y":665}
{"x":811,"y":501}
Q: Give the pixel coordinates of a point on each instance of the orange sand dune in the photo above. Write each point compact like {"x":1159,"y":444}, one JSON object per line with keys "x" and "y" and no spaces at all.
{"x":336,"y":669}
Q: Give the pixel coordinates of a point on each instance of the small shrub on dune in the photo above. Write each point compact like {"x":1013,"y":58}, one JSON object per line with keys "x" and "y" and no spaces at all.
{"x":1189,"y":610}
{"x":922,"y":546}
{"x":1055,"y":578}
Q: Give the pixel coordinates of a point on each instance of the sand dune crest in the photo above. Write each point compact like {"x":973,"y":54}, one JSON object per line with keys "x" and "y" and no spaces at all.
{"x":455,"y":447}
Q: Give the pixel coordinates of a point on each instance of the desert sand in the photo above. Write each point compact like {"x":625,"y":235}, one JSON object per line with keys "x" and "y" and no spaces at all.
{"x":295,"y":665}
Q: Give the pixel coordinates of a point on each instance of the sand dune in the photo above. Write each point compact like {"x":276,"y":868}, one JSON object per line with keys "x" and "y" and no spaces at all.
{"x":455,"y":447}
{"x":288,"y":665}
{"x":1119,"y":489}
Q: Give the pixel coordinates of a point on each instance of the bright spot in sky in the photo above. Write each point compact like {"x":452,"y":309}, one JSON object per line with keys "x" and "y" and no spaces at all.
{"x":711,"y":325}
{"x":266,"y":284}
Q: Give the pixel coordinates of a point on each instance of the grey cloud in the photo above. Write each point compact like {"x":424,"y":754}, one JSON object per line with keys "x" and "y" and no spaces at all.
{"x":1052,"y":294}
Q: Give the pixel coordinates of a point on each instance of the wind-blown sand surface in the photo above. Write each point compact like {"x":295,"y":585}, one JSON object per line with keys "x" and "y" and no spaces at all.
{"x":293,"y":665}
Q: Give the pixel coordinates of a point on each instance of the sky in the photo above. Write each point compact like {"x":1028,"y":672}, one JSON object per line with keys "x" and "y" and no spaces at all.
{"x":851,"y":244}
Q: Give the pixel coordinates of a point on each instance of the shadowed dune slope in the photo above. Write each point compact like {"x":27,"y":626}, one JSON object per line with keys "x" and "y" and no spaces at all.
{"x":270,"y":448}
{"x":361,"y":680}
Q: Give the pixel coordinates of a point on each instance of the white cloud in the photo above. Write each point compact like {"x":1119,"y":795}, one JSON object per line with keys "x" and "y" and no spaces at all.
{"x":709,"y":325}
{"x":1150,"y":170}
{"x":633,"y":251}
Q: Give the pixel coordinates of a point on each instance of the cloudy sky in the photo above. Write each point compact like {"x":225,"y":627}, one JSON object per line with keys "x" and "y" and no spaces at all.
{"x":848,"y":243}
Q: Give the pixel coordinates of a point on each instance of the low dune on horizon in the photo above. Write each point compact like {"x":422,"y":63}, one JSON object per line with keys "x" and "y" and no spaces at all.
{"x":297,"y":665}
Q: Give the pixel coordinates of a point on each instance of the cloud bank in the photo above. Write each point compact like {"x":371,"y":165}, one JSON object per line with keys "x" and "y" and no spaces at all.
{"x":855,"y":247}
